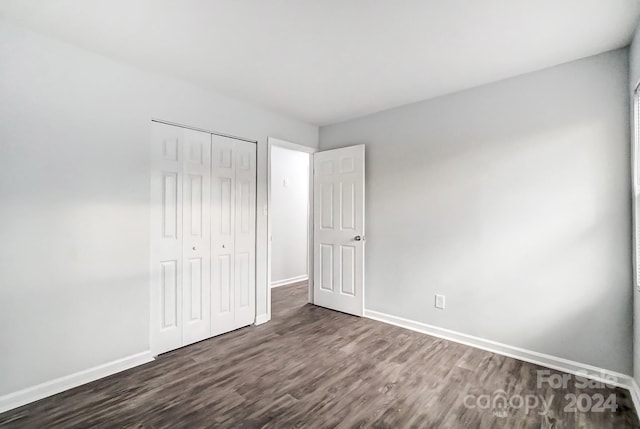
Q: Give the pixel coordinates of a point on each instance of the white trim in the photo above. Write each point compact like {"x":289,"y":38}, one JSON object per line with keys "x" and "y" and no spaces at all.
{"x":271,"y":142}
{"x":43,"y":390}
{"x":202,"y":130}
{"x":291,"y":146}
{"x":634,"y":390}
{"x":285,"y":282}
{"x":262,"y":318}
{"x":635,"y":173}
{"x":542,"y":359}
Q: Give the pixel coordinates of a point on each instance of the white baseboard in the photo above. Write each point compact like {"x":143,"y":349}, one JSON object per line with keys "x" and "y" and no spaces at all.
{"x":542,"y":359}
{"x":634,"y":390}
{"x":40,"y":391}
{"x":262,"y":318}
{"x":289,"y":281}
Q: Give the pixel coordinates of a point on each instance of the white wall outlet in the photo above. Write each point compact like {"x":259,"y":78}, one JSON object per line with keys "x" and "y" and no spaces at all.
{"x":440,"y":301}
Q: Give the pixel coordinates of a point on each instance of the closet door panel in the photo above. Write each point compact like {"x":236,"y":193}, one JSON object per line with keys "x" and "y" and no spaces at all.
{"x":196,"y":226}
{"x":166,"y":259}
{"x":245,"y":232}
{"x":223,"y":209}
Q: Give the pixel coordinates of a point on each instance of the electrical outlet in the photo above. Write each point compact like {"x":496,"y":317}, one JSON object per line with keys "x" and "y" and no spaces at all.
{"x":440,"y":301}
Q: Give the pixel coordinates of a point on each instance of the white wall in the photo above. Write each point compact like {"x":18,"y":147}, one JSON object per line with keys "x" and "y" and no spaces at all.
{"x":634,"y":80}
{"x":512,"y":200}
{"x":74,"y":200}
{"x":289,"y":210}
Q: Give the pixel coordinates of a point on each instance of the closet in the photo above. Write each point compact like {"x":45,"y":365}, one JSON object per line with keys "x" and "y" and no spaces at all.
{"x":203,"y":206}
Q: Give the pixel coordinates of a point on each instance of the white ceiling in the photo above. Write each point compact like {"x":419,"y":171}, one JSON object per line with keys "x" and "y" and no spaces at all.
{"x":326,"y":61}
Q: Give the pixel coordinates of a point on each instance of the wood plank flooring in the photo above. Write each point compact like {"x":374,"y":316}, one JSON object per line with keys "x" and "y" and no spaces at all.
{"x":315,"y":368}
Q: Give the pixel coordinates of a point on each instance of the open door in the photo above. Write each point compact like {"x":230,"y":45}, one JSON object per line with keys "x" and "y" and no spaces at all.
{"x":338,"y":225}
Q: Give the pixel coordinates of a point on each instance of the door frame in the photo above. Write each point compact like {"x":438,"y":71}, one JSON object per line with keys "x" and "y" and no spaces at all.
{"x":274,"y":142}
{"x":635,"y":184}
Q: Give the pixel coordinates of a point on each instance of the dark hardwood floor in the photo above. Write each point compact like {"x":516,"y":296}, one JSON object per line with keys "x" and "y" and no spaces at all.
{"x":315,"y":368}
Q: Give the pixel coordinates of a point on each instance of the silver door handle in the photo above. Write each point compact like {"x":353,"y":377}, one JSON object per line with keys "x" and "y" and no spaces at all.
{"x":358,"y":238}
{"x":194,"y":247}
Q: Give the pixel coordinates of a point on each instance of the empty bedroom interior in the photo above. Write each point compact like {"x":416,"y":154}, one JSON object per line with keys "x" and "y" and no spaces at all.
{"x":414,"y":214}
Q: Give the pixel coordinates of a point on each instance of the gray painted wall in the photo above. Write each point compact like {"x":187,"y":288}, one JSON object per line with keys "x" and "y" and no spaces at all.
{"x":289,"y":213}
{"x":512,"y":200}
{"x":74,"y":192}
{"x":634,"y":79}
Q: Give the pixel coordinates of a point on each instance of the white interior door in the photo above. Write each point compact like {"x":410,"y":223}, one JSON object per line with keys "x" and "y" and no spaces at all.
{"x":196,"y":190}
{"x":338,"y":249}
{"x":233,"y":202}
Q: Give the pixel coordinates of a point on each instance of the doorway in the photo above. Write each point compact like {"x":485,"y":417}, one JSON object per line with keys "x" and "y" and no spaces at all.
{"x":335,"y":224}
{"x":290,"y":226}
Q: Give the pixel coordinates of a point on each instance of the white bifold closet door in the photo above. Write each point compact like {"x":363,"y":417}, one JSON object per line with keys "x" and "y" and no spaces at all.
{"x":202,"y":236}
{"x":233,"y":246}
{"x":180,"y":236}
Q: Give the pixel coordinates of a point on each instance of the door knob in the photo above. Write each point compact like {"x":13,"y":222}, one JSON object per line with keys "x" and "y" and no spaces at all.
{"x":357,"y":238}
{"x":194,"y":247}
